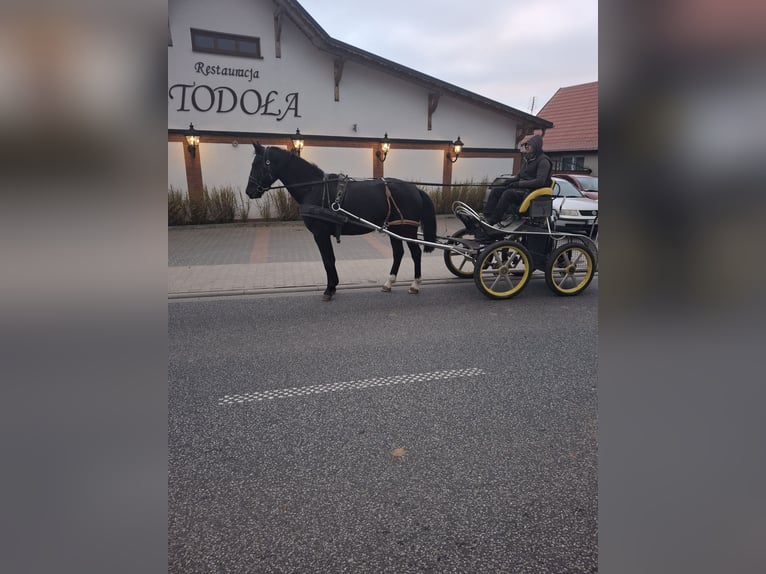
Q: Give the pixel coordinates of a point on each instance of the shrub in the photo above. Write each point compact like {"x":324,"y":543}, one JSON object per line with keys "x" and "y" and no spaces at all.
{"x":287,"y":208}
{"x":224,"y":205}
{"x":469,"y":192}
{"x":178,"y":207}
{"x":217,"y":205}
{"x":265,"y":207}
{"x":243,"y":208}
{"x":221,"y":204}
{"x":197,"y":211}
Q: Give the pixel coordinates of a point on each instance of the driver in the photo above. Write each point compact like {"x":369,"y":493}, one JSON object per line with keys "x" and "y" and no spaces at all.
{"x":536,"y":168}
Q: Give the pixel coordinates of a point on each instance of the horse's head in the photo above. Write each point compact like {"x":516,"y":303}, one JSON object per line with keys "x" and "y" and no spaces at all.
{"x":261,"y":175}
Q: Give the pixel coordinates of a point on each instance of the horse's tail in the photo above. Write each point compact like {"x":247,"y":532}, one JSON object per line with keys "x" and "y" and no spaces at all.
{"x":428,"y":220}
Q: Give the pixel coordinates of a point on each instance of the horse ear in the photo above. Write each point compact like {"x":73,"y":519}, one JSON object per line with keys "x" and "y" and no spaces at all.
{"x":257,"y":147}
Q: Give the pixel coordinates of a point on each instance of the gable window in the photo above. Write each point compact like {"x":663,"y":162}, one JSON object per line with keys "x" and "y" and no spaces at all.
{"x":572,"y":163}
{"x":230,"y":44}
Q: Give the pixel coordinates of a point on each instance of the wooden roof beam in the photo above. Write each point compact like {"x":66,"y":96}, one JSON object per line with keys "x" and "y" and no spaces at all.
{"x":278,"y":32}
{"x":338,"y":75}
{"x":433,"y":103}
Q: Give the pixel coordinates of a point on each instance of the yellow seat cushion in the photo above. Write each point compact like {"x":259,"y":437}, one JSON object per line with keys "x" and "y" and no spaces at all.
{"x":539,"y":192}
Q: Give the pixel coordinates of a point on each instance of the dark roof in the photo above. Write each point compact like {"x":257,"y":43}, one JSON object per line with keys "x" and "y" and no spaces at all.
{"x":344,"y":51}
{"x":574,"y":113}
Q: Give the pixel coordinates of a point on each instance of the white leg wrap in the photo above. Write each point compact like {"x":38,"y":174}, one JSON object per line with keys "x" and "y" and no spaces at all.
{"x":415,"y":286}
{"x":389,"y":283}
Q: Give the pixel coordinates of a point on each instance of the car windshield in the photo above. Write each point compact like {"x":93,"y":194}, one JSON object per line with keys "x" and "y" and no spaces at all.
{"x":565,"y":189}
{"x":588,"y":182}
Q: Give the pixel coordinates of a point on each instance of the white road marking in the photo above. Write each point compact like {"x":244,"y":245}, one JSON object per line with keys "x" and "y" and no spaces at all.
{"x":346,"y":386}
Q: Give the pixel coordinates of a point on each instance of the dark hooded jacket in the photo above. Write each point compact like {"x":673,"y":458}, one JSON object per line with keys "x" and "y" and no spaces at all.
{"x":536,"y":167}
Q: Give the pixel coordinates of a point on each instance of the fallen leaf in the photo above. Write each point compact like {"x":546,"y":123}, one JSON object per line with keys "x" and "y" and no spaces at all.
{"x":398,"y":452}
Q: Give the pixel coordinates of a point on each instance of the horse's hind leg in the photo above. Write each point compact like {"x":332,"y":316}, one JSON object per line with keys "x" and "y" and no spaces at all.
{"x":416,"y":252}
{"x":398,"y":249}
{"x":328,"y":259}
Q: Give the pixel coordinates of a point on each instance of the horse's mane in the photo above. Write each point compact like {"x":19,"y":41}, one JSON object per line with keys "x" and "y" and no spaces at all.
{"x":281,"y":152}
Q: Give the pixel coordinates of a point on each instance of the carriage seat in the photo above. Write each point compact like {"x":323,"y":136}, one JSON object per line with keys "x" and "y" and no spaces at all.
{"x":539,"y":203}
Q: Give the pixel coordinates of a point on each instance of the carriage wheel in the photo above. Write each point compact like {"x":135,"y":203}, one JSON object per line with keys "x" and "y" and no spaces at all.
{"x":569,"y":269}
{"x":503,"y":270}
{"x":459,"y":265}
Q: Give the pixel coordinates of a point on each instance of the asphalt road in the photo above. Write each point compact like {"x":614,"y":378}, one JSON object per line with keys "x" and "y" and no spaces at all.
{"x":440,"y":432}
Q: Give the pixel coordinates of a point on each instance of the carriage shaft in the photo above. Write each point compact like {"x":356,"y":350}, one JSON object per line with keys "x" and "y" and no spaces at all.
{"x":468,"y":252}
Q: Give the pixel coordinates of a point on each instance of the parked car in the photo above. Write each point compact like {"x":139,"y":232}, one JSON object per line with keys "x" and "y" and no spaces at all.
{"x":587,"y":184}
{"x":573,"y":212}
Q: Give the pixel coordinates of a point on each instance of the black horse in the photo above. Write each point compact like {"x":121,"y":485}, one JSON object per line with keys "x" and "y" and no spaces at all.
{"x":399,"y":205}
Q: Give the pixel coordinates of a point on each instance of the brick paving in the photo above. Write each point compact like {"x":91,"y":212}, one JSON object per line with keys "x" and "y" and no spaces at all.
{"x":265,"y":257}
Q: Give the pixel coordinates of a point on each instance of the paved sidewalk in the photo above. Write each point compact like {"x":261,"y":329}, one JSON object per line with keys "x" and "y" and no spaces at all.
{"x":239,"y":259}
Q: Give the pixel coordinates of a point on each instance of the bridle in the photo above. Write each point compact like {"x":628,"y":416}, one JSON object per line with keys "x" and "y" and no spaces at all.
{"x":267,"y":172}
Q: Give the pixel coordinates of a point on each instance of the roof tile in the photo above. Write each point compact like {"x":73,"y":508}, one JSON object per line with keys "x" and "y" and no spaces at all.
{"x":574,"y":113}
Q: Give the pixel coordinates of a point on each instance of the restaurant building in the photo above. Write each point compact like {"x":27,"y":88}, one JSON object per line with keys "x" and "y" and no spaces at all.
{"x":241,"y":71}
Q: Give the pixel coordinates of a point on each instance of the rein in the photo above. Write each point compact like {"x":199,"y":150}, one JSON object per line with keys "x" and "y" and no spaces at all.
{"x":424,"y":183}
{"x":270,"y":174}
{"x":265,"y":189}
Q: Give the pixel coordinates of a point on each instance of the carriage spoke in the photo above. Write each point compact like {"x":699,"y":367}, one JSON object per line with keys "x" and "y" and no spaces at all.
{"x":503,"y":270}
{"x":499,"y":280}
{"x":509,"y":280}
{"x":564,"y":277}
{"x":570,"y":269}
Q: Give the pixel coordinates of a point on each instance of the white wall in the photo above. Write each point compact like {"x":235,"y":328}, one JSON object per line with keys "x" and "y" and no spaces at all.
{"x":176,"y":168}
{"x":375,"y":101}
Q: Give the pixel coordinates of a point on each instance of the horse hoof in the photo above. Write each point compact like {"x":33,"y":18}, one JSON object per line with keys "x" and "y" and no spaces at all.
{"x":327,"y":296}
{"x":414,"y":291}
{"x":388,"y":284}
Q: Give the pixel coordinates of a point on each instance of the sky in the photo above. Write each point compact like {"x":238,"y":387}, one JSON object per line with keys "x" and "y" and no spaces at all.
{"x":510,"y":51}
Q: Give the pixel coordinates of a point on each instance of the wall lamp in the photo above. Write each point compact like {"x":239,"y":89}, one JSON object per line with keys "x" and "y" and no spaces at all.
{"x":297,"y":142}
{"x":192,"y":139}
{"x":457,"y":147}
{"x":385,"y":145}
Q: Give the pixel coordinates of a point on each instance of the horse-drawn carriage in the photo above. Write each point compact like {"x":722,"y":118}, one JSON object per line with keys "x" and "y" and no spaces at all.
{"x":500,"y":260}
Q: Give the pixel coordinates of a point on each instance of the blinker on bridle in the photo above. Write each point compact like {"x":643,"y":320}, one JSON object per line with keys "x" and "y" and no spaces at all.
{"x":267,"y":170}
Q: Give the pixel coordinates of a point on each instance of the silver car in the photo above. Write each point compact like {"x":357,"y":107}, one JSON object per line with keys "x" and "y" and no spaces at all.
{"x":572,"y":211}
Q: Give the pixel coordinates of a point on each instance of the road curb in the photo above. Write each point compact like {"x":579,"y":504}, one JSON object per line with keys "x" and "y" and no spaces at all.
{"x":316,"y":288}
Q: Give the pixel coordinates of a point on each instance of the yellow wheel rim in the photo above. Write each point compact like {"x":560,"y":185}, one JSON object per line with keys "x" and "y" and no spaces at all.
{"x":504,"y":271}
{"x":572,"y":270}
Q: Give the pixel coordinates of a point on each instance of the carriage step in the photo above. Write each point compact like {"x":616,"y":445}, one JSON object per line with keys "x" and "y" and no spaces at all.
{"x":512,"y":225}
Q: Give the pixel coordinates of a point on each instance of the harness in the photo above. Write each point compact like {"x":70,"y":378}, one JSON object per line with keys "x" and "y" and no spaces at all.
{"x":330,"y":212}
{"x":390,"y":200}
{"x":323,"y":211}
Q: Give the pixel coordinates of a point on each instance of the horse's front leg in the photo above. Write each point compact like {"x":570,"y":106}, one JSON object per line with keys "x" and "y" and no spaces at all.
{"x":398,"y":250}
{"x":328,"y":259}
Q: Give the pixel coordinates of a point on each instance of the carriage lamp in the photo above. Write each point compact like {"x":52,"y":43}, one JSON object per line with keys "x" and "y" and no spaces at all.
{"x":297,"y":142}
{"x":385,"y":145}
{"x":457,"y":147}
{"x":192,"y":139}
